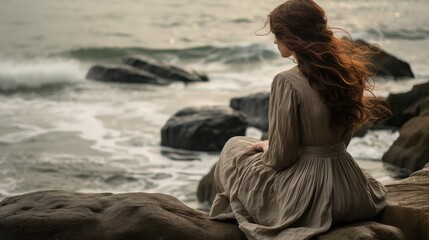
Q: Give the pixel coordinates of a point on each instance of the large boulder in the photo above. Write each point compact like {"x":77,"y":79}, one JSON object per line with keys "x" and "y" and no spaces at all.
{"x":203,"y":129}
{"x":164,"y":71}
{"x":255,"y":106}
{"x":143,"y":70}
{"x":387,"y":65}
{"x":411,"y":150}
{"x":408,"y":205}
{"x":51,"y":215}
{"x":123,"y":74}
{"x":401,"y":102}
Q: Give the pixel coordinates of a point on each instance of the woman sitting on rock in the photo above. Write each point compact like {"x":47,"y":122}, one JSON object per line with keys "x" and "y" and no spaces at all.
{"x":302,"y":180}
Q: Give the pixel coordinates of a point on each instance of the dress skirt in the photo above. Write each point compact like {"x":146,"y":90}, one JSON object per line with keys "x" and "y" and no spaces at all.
{"x":325,"y":186}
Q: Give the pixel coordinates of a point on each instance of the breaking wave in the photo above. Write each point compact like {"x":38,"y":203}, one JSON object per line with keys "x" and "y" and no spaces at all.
{"x":38,"y":75}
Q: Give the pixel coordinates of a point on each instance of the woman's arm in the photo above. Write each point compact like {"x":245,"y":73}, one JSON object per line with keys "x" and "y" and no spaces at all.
{"x":283,"y":129}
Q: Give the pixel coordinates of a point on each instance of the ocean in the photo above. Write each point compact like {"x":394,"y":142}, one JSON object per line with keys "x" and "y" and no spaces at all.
{"x":61,"y":131}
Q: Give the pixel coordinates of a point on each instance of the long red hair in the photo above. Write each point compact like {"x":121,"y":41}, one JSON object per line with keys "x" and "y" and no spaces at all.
{"x":339,"y":69}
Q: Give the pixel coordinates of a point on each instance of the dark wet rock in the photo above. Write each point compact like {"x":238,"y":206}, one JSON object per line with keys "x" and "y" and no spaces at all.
{"x":401,"y":102}
{"x":387,"y":65}
{"x":143,"y":70}
{"x":206,"y":188}
{"x":419,"y":108}
{"x":408,"y":205}
{"x":203,"y":129}
{"x":51,"y":215}
{"x":164,"y":71}
{"x":411,"y":149}
{"x":123,"y":74}
{"x":255,"y":106}
{"x":368,"y":230}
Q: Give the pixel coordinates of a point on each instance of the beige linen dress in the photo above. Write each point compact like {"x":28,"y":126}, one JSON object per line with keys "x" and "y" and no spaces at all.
{"x":304,"y":182}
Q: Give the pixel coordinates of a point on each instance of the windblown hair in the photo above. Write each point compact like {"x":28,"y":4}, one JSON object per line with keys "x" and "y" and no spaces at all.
{"x":337,"y":68}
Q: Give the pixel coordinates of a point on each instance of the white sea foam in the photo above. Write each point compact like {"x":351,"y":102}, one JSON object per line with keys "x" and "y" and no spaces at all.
{"x":27,"y":131}
{"x":373,"y":145}
{"x":38,"y":74}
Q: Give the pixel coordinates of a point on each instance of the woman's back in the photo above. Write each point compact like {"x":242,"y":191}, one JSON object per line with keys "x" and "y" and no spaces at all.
{"x":305,"y":182}
{"x":302,"y":180}
{"x":314,"y":115}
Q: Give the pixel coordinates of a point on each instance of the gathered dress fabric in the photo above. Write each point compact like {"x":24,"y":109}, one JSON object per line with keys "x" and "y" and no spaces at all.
{"x":304,"y":182}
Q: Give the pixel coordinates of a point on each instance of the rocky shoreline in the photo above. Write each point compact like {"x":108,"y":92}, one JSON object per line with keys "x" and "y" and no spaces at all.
{"x":50,"y":215}
{"x":64,"y":215}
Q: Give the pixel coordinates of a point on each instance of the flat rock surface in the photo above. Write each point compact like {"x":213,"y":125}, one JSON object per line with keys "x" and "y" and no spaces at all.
{"x":71,"y":216}
{"x":77,"y":216}
{"x":408,"y":205}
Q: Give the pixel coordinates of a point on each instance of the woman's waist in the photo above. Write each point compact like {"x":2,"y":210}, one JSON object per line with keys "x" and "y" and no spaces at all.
{"x":326,"y":150}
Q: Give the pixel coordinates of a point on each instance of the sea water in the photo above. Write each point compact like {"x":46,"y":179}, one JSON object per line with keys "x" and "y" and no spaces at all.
{"x":61,"y":131}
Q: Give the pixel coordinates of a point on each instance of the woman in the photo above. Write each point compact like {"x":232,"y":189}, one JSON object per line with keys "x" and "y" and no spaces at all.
{"x":302,"y":180}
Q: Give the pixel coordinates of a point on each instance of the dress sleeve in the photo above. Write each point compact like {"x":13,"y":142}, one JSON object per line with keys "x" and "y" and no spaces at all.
{"x":283,"y":129}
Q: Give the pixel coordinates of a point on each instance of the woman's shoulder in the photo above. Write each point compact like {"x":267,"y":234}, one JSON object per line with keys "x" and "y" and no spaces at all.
{"x":284,"y":84}
{"x":294,"y":80}
{"x":291,"y":77}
